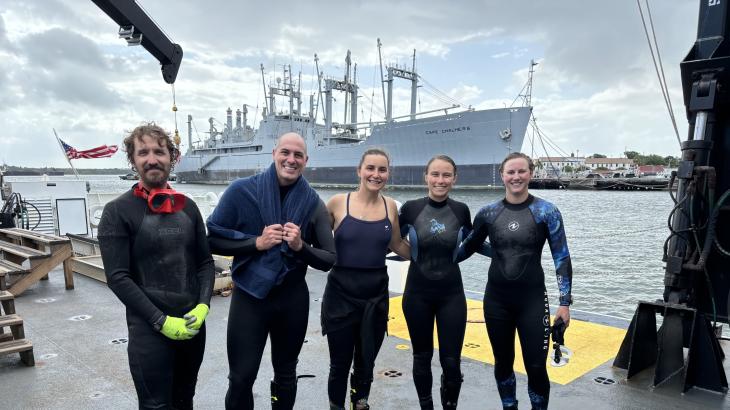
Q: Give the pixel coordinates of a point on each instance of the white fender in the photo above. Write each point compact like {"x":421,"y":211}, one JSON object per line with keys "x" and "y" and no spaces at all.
{"x":95,"y":215}
{"x":212,"y":199}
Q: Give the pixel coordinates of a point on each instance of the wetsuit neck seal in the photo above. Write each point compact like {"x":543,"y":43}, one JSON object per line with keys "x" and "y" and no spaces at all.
{"x":437,"y":204}
{"x":161,"y":201}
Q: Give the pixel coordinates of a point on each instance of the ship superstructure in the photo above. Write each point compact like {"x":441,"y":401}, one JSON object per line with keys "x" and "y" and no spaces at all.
{"x":477,"y":140}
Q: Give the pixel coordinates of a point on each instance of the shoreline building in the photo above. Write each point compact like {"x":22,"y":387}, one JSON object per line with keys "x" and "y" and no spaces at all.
{"x":556,"y":167}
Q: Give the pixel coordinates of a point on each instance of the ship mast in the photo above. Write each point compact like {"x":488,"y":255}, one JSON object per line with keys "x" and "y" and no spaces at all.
{"x":407,"y":75}
{"x":263,"y":82}
{"x":190,"y":133}
{"x":319,"y":87}
{"x":382,"y":82}
{"x":348,"y":62}
{"x":350,"y":90}
{"x":414,"y":87}
{"x":290,"y":88}
{"x":527,"y":96}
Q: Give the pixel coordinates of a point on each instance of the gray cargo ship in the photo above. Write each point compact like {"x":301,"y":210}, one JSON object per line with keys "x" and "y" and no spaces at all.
{"x":476,"y":139}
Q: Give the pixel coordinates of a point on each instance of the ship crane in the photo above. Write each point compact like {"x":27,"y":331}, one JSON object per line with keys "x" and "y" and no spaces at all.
{"x":137,"y":28}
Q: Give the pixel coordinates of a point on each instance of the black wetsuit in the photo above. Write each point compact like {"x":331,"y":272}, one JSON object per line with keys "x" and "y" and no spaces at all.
{"x":515,"y":296}
{"x":282,"y":315}
{"x":355,"y":304}
{"x":434,"y":290}
{"x":158,"y":265}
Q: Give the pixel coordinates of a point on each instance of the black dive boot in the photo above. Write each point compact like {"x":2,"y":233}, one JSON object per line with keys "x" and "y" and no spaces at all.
{"x":283,"y":396}
{"x":359,"y":393}
{"x":335,"y":407}
{"x":450,"y":392}
{"x":426,"y":402}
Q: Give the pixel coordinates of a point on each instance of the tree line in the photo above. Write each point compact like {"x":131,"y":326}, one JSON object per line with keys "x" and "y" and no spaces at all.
{"x":650,"y":159}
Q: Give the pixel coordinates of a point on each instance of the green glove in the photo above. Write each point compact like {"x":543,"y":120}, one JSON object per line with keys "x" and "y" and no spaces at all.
{"x":175,"y":329}
{"x":196,"y":317}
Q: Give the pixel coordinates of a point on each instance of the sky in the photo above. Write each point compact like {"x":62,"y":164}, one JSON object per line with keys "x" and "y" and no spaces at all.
{"x":595,"y":89}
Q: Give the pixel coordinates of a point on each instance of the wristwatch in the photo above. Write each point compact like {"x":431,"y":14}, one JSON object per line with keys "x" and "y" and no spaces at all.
{"x":159,"y":322}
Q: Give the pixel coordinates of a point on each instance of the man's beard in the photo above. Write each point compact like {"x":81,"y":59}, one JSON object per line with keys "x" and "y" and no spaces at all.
{"x":155,"y":182}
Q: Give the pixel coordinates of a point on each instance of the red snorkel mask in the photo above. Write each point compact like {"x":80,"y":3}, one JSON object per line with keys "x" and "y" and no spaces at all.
{"x":161,"y":201}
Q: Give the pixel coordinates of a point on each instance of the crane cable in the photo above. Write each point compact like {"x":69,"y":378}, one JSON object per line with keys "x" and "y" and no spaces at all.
{"x":176,"y":138}
{"x":660,"y":67}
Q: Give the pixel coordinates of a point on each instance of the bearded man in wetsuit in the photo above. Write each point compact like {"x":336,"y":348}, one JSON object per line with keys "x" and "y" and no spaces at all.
{"x":274,"y":225}
{"x":157,"y":262}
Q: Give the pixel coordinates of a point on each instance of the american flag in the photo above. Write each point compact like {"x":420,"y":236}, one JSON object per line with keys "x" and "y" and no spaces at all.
{"x":103,"y":151}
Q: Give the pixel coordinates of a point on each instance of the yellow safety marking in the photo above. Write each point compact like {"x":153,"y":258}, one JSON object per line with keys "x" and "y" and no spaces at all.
{"x":402,"y":347}
{"x":592,"y":344}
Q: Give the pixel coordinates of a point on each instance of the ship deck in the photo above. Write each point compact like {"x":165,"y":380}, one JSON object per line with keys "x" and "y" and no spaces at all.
{"x":81,"y":364}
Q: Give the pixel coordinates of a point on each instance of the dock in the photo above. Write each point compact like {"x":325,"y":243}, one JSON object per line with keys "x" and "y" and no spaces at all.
{"x":602,"y":184}
{"x":80,"y":337}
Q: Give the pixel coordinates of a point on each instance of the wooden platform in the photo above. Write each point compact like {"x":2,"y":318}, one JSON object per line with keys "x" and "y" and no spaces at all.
{"x":27,"y":257}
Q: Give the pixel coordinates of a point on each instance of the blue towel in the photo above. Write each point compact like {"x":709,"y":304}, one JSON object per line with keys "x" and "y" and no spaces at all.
{"x":247,"y":206}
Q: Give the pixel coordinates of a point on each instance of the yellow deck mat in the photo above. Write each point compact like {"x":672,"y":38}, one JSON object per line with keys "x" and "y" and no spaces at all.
{"x":592,"y":344}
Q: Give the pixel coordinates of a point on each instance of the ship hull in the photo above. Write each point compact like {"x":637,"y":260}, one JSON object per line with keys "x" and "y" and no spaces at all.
{"x":469,"y":175}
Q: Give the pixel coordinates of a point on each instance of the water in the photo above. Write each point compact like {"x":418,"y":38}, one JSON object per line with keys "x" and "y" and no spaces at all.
{"x":615,"y":240}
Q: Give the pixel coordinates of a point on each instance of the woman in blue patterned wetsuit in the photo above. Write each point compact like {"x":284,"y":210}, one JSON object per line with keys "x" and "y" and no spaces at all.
{"x":515,"y":297}
{"x":434,"y":290}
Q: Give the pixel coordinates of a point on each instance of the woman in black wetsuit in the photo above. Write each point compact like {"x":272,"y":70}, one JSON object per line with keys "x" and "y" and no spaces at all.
{"x":515,"y":297}
{"x":434,"y":290}
{"x":355,"y":301}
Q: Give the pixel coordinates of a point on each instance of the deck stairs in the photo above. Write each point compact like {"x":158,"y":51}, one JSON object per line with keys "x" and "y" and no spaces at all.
{"x":25,"y":258}
{"x":14,"y":341}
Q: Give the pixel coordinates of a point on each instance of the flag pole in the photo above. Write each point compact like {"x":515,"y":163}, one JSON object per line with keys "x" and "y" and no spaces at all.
{"x":64,"y":154}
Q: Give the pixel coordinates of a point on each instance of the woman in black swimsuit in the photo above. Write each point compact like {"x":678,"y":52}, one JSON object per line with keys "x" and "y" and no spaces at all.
{"x":355,"y":301}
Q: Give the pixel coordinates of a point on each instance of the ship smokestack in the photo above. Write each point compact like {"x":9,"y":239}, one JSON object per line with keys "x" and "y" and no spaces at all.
{"x":238,"y":118}
{"x":229,"y":118}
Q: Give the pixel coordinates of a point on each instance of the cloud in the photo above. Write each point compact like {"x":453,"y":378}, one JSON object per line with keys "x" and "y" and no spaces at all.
{"x":59,"y":65}
{"x":4,"y":42}
{"x":48,"y":49}
{"x":62,"y":65}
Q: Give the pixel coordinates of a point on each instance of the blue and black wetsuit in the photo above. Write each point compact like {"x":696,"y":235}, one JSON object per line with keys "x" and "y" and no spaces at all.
{"x":355,"y":305}
{"x":515,"y":297}
{"x":158,"y":265}
{"x":434,"y":290}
